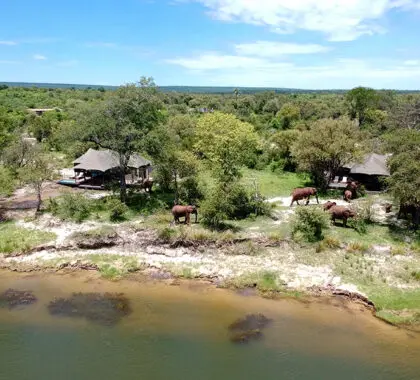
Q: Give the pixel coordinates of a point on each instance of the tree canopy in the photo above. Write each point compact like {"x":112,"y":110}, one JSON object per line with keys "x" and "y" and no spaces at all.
{"x":327,"y":146}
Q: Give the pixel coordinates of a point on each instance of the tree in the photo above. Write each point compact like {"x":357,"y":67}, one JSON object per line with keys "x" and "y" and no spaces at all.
{"x":226,"y":143}
{"x":281,"y":148}
{"x":122,"y":122}
{"x":6,"y":181}
{"x":404,"y":164}
{"x":288,"y":114}
{"x":36,"y":172}
{"x":327,"y":146}
{"x":359,"y":100}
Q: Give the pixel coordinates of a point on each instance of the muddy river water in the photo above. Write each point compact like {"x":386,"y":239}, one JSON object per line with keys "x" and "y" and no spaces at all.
{"x":180,"y":332}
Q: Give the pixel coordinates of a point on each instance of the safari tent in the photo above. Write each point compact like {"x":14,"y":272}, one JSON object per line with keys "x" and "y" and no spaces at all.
{"x":95,"y":168}
{"x":370,"y":172}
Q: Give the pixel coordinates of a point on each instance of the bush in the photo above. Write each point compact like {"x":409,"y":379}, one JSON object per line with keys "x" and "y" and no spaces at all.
{"x":189,"y":191}
{"x":309,"y":222}
{"x":117,"y":209}
{"x":73,"y":207}
{"x":231,"y":201}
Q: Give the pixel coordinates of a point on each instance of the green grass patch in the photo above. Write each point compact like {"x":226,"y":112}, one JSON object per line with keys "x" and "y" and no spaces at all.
{"x":395,"y":299}
{"x":14,"y":239}
{"x":375,"y":234}
{"x":272,"y":184}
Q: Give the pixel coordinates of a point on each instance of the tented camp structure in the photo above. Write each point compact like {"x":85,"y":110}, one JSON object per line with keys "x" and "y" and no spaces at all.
{"x":370,"y":172}
{"x":96,"y":168}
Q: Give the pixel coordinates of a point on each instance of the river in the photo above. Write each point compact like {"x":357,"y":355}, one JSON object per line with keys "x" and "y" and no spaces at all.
{"x":180,"y":332}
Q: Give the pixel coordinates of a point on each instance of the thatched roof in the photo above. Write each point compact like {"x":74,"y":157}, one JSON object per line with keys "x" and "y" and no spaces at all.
{"x":373,"y":164}
{"x":104,"y":160}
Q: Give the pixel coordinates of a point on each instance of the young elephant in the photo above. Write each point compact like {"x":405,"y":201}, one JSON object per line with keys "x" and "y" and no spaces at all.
{"x":147,"y":185}
{"x":303,"y":193}
{"x":339,"y":212}
{"x":184,"y":211}
{"x":348,"y":195}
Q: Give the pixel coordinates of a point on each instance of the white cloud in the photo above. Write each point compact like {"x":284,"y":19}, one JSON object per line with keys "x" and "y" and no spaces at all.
{"x":39,"y":57}
{"x":275,"y":49}
{"x":8,"y":43}
{"x":340,"y":20}
{"x":217,"y":61}
{"x":412,"y":62}
{"x":236,"y":70}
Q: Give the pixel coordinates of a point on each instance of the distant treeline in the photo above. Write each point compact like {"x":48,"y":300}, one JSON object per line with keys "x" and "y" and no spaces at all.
{"x":189,"y":89}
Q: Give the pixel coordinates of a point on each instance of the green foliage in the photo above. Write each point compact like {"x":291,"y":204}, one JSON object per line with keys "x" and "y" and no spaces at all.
{"x":360,"y":100}
{"x":286,"y":117}
{"x":73,"y":207}
{"x":20,"y":240}
{"x":309,"y":223}
{"x":231,"y":201}
{"x":415,"y":274}
{"x":36,"y":171}
{"x":226,"y":143}
{"x":404,"y":164}
{"x":122,"y":123}
{"x":327,"y":146}
{"x":7,"y":181}
{"x":117,"y":210}
{"x":280,"y":148}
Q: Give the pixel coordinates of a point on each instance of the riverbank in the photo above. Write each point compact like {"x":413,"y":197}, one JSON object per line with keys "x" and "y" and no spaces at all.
{"x":250,"y":260}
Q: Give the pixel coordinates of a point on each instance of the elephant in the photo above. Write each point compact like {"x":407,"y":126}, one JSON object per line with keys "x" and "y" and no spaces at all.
{"x":352,"y":187}
{"x":147,"y":185}
{"x":348,"y":195}
{"x":413,"y":210}
{"x":339,"y":212}
{"x":184,"y":211}
{"x":303,"y":193}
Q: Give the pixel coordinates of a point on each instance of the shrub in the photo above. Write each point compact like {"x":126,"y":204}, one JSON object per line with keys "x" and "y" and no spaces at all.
{"x":166,"y":234}
{"x":309,"y":222}
{"x":365,"y":211}
{"x":117,"y":209}
{"x":358,"y":224}
{"x":415,"y":274}
{"x":73,"y":207}
{"x":355,"y":247}
{"x":231,"y":201}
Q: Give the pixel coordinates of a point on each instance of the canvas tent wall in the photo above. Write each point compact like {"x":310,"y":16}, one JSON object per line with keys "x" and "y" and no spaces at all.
{"x":370,"y":172}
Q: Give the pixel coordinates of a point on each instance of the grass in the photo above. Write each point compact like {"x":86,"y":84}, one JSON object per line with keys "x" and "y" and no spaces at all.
{"x":375,"y":234}
{"x":272,"y":184}
{"x":14,"y":239}
{"x":114,"y":266}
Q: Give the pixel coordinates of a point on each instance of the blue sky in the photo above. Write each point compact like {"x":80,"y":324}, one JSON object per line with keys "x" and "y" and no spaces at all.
{"x":276,"y":43}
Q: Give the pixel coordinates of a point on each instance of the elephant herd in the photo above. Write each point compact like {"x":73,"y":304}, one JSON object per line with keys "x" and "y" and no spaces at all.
{"x":337,"y":212}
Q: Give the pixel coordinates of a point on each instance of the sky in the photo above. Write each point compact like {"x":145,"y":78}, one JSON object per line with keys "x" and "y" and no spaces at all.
{"x":308,"y":44}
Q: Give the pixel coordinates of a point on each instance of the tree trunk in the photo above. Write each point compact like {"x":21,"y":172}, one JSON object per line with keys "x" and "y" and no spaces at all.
{"x":39,"y":198}
{"x":123,"y":183}
{"x":123,"y":186}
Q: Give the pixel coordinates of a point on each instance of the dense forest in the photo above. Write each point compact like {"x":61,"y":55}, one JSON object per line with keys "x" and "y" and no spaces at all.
{"x":187,"y":134}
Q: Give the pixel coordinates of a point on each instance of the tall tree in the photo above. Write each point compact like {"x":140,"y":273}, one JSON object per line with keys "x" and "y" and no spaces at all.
{"x":327,"y":146}
{"x":226,"y":143}
{"x":359,"y":100}
{"x":122,"y":122}
{"x":404,"y":165}
{"x":36,"y":172}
